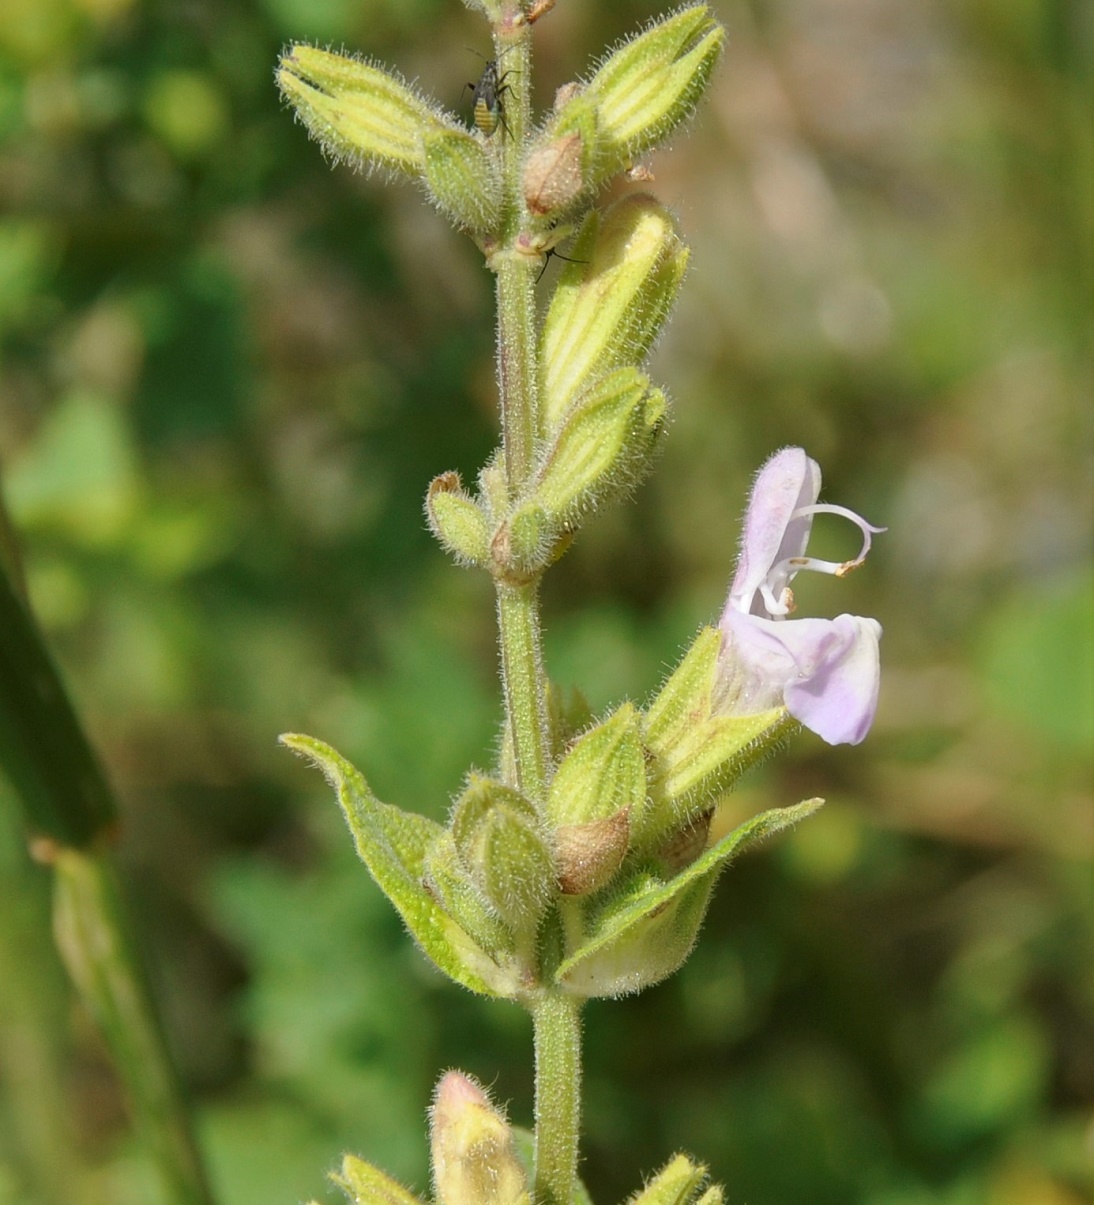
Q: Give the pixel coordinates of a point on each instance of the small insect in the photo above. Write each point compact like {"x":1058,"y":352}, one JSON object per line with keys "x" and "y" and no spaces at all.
{"x":486,"y":97}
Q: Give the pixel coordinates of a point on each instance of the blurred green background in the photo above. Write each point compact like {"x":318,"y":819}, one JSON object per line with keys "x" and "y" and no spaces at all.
{"x":227,"y":374}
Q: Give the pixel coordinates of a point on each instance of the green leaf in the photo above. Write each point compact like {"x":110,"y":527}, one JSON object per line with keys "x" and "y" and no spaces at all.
{"x":647,"y":929}
{"x":393,"y":845}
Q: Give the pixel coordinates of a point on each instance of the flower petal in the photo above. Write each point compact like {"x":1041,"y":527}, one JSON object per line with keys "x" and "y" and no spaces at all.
{"x":826,"y":671}
{"x":788,"y":481}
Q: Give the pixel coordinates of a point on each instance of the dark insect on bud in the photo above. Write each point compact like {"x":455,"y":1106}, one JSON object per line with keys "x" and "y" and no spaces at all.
{"x":486,"y":104}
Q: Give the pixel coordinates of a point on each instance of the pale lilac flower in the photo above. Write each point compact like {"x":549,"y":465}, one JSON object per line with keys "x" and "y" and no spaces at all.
{"x":825,"y":671}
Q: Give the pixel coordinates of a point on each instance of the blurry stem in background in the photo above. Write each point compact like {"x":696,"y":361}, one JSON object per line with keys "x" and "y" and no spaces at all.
{"x":68,"y":808}
{"x":33,"y":1024}
{"x":93,"y":932}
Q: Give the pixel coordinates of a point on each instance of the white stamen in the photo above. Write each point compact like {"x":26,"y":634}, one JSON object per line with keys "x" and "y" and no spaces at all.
{"x":785,"y":569}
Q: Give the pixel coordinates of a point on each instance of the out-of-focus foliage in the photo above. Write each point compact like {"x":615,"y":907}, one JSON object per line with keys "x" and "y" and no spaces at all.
{"x":226,"y":376}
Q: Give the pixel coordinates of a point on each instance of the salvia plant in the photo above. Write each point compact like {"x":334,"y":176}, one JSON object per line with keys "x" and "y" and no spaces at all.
{"x":580,"y":865}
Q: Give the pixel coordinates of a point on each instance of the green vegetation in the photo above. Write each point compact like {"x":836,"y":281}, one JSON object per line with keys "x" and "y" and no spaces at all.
{"x":226,"y":375}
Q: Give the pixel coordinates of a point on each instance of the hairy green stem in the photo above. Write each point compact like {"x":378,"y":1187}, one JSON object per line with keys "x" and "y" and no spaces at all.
{"x":525,"y":685}
{"x":516,"y":273}
{"x":556,"y":1018}
{"x":524,"y":682}
{"x":517,"y":369}
{"x":555,"y":1015}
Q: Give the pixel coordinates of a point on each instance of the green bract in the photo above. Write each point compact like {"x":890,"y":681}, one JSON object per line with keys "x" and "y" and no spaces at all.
{"x":394,"y":845}
{"x":643,"y":929}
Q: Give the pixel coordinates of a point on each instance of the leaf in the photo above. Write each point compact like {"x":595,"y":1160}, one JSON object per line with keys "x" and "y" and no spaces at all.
{"x":617,"y":933}
{"x":393,"y":844}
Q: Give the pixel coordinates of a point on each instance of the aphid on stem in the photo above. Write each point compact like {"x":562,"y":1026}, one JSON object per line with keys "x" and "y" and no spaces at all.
{"x":486,"y":103}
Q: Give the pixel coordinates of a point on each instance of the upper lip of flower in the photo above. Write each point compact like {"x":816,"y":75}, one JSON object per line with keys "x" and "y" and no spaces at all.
{"x":776,"y":533}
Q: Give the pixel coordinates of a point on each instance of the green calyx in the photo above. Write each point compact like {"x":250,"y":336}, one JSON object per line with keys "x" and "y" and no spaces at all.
{"x":679,"y":1182}
{"x":360,"y":113}
{"x":643,"y":91}
{"x":603,"y":447}
{"x":460,"y":524}
{"x":597,"y":795}
{"x":608,"y":309}
{"x":697,"y":753}
{"x":498,"y":837}
{"x":462,"y":179}
{"x":360,"y":1181}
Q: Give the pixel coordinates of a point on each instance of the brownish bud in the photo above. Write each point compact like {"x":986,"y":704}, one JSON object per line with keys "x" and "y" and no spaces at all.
{"x":588,"y":855}
{"x":553,"y":177}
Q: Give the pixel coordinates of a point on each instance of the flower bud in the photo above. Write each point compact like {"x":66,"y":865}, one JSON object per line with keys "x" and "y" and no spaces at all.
{"x":603,"y":446}
{"x":607,"y":311}
{"x":358,"y":112}
{"x":363,"y":1182}
{"x":597,"y":794}
{"x":498,"y":838}
{"x":474,"y":1158}
{"x":588,"y":855}
{"x":553,"y":175}
{"x":457,"y":520}
{"x":462,"y":179}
